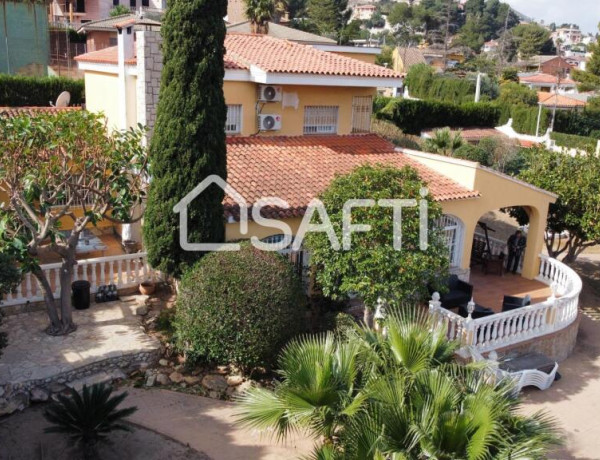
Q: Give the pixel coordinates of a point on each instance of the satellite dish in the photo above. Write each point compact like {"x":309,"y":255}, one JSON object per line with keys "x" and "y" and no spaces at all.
{"x":63,"y":99}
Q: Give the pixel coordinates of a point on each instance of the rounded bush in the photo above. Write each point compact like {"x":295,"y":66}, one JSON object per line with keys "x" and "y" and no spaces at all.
{"x":239,"y":308}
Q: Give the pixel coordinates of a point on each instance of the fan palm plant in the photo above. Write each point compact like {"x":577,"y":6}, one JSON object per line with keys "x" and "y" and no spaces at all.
{"x":444,"y":142}
{"x":259,"y":13}
{"x":88,"y":417}
{"x":397,"y":395}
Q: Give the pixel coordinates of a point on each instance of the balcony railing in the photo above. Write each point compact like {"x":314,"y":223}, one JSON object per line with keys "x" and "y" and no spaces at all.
{"x":125,"y":271}
{"x":515,"y":326}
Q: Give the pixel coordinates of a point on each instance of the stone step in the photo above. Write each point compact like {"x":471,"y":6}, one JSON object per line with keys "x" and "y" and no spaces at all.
{"x":100,"y":377}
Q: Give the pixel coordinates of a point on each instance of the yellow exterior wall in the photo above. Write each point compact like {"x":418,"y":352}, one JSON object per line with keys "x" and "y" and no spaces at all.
{"x":365,"y":57}
{"x":245,"y":93}
{"x":497,"y":191}
{"x":232,"y":231}
{"x":131,"y":82}
{"x":101,"y":95}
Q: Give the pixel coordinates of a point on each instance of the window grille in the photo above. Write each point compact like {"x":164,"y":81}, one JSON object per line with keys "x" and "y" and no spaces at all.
{"x":233,"y":125}
{"x":362,"y":109}
{"x":320,"y":119}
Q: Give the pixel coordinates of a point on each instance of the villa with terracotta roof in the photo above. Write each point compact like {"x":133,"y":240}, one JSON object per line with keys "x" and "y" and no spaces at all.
{"x":297,"y":116}
{"x":547,"y":83}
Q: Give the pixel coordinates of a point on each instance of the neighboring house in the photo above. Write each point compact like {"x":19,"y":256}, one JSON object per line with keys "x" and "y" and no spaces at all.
{"x":555,"y":66}
{"x":568,"y":35}
{"x":577,"y":62}
{"x":236,"y":11}
{"x":547,"y":83}
{"x":102,"y":33}
{"x":491,"y":46}
{"x":561,"y":101}
{"x":404,"y":58}
{"x":475,"y":135}
{"x":363,"y":12}
{"x":25,"y":38}
{"x":82,"y":11}
{"x":272,"y":86}
{"x":438,"y":58}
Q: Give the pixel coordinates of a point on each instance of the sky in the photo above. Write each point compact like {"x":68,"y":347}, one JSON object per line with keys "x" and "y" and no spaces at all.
{"x":586,"y":13}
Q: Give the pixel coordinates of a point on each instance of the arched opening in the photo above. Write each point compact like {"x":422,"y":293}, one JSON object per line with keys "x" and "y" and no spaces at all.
{"x":453,"y":231}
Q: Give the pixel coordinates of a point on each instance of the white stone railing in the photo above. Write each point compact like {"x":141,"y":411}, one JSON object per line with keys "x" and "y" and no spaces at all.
{"x":125,"y":271}
{"x":515,"y":326}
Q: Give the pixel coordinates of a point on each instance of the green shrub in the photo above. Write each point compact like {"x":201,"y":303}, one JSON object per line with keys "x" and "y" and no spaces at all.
{"x":573,"y":141}
{"x":412,"y":117}
{"x":20,"y":91}
{"x":516,"y":94}
{"x":473,"y":153}
{"x":238,"y":307}
{"x":423,"y":83}
{"x":392,"y":133}
{"x":579,"y":123}
{"x":380,"y":102}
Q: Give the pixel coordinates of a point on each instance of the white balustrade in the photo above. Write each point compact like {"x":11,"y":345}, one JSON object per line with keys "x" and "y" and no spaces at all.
{"x":100,"y":271}
{"x":515,"y":326}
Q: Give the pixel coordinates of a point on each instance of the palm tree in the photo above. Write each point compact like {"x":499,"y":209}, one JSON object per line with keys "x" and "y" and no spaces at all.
{"x":444,"y":142}
{"x":260,"y":12}
{"x":88,"y":417}
{"x":399,"y":396}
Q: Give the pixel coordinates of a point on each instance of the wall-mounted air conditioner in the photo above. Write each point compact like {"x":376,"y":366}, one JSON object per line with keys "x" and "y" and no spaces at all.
{"x":270,"y":122}
{"x":268,"y":93}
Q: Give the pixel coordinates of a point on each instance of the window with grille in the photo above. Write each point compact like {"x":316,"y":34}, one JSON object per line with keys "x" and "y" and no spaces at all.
{"x":320,"y":119}
{"x":452,"y":233}
{"x":132,"y":3}
{"x":233,"y":125}
{"x":362,"y":109}
{"x":115,"y":2}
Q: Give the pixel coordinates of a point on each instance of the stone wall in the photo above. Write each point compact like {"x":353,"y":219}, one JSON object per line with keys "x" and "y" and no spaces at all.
{"x":149,"y":70}
{"x":15,"y":397}
{"x":558,"y":345}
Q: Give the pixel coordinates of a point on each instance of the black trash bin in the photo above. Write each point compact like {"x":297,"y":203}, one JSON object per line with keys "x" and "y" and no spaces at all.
{"x":81,"y":294}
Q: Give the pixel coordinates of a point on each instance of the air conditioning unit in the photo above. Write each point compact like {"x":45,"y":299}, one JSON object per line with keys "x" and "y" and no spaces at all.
{"x":267,"y":93}
{"x":269,"y":122}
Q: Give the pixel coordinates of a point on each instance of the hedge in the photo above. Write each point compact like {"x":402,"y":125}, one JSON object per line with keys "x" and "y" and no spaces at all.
{"x":424,"y":84}
{"x":20,"y":91}
{"x":572,"y":141}
{"x":380,"y":102}
{"x":586,"y":123}
{"x":525,"y":120}
{"x":412,"y":116}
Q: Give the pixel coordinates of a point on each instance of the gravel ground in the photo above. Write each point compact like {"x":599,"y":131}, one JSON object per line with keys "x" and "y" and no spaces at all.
{"x":22,"y":437}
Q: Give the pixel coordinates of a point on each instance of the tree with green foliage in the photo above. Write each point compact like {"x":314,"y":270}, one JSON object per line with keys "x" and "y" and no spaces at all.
{"x":510,"y":74}
{"x":188,"y":143}
{"x":577,"y":211}
{"x":64,"y":169}
{"x":589,"y":80}
{"x":398,"y":395}
{"x":374,"y":267}
{"x":119,"y":10}
{"x":329,"y":16}
{"x":516,"y":94}
{"x":259,"y":13}
{"x":533,"y":39}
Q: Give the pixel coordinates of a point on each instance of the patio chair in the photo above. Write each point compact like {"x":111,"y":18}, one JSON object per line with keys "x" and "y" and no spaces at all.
{"x":459,"y":293}
{"x":513,"y":303}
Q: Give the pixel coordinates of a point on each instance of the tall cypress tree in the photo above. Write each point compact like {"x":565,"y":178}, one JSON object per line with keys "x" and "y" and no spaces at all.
{"x":188,"y":143}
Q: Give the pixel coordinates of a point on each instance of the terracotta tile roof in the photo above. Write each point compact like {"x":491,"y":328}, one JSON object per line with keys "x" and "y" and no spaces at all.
{"x":105,"y":56}
{"x":545,"y":78}
{"x":31,"y":111}
{"x":411,"y":57}
{"x":283,"y":56}
{"x":474,"y":135}
{"x":561,"y":100}
{"x":298,"y":169}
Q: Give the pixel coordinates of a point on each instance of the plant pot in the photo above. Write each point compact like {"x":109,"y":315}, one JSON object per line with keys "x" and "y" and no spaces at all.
{"x":130,"y":246}
{"x":147,"y":288}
